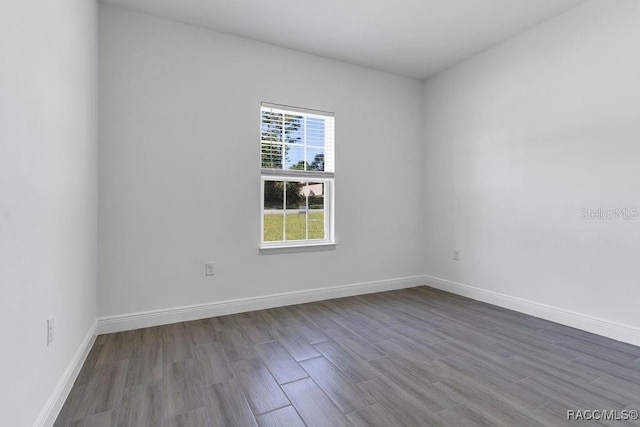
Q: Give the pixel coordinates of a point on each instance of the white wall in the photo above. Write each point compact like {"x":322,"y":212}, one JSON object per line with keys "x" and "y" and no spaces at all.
{"x":522,"y":137}
{"x":179,"y":166}
{"x":48,"y":195}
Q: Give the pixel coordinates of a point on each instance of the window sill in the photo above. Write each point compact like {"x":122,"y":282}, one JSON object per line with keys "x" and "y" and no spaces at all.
{"x":307,"y":247}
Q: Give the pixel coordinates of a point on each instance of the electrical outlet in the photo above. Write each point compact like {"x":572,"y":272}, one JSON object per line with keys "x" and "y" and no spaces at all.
{"x":49,"y":330}
{"x":209,"y":269}
{"x":456,"y":254}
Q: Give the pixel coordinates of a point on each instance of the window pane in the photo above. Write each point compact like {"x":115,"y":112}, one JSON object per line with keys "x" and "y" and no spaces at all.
{"x":293,"y":129}
{"x":316,"y":225}
{"x":295,"y":195}
{"x":315,"y":159}
{"x":315,"y":192}
{"x":296,"y":226}
{"x":273,"y":226}
{"x":273,"y":211}
{"x":296,"y":219}
{"x":273,"y":195}
{"x":315,"y":131}
{"x":294,"y":157}
{"x":271,"y":126}
{"x":271,"y":155}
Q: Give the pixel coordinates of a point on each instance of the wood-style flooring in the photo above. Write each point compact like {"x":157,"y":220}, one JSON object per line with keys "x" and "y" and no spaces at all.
{"x":413,"y":357}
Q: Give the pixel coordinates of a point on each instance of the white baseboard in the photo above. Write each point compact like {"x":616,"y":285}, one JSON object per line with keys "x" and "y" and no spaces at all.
{"x":165,"y":316}
{"x":607,"y":328}
{"x":53,"y":406}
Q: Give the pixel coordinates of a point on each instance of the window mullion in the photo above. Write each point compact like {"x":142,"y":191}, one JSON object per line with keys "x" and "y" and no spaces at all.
{"x":284,"y":212}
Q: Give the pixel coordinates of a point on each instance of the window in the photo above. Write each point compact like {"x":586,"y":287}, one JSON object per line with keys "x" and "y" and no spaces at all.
{"x":297,"y":164}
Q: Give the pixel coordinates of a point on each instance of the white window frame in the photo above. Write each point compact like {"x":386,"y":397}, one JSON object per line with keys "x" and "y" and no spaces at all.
{"x":287,"y":175}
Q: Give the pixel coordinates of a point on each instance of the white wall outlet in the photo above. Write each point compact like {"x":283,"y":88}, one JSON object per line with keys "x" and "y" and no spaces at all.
{"x":456,"y":254}
{"x":49,"y":330}
{"x":209,"y":269}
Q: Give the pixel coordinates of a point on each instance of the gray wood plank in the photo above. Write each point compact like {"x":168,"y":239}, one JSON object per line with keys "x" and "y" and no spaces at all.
{"x":283,"y":367}
{"x":495,"y":372}
{"x":221,"y":323}
{"x":181,"y":387}
{"x":149,"y":336}
{"x":361,"y":327}
{"x":462,"y":416}
{"x":142,"y":406}
{"x":103,"y":419}
{"x":420,"y":329}
{"x":566,"y":332}
{"x":606,"y":367}
{"x":296,"y":344}
{"x":404,"y":340}
{"x":332,"y":307}
{"x":600,"y":351}
{"x":227,"y":405}
{"x":353,"y":367}
{"x":625,"y":391}
{"x":355,"y":343}
{"x":553,"y":414}
{"x":373,"y":416}
{"x":311,"y":332}
{"x":89,"y":364}
{"x":398,"y":349}
{"x":314,"y":407}
{"x":318,"y":315}
{"x":286,"y":416}
{"x":70,"y":407}
{"x":405,"y":408}
{"x":257,"y":334}
{"x":145,"y":365}
{"x":485,"y":350}
{"x":201,"y":331}
{"x":487,"y":403}
{"x":551,"y":352}
{"x":336,"y":385}
{"x":259,"y":386}
{"x":236,"y":345}
{"x":531,"y":395}
{"x":212,"y":363}
{"x":628,"y":348}
{"x":176,"y":343}
{"x":534,"y":366}
{"x":589,"y":397}
{"x":117,"y":347}
{"x":372,"y":308}
{"x":194,"y":418}
{"x":104,"y":389}
{"x":405,"y":379}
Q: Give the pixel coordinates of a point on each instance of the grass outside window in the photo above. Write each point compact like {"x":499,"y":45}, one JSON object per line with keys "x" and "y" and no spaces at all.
{"x":296,"y":226}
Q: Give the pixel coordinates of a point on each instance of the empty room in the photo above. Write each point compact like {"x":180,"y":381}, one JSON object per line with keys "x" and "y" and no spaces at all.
{"x":336,"y":213}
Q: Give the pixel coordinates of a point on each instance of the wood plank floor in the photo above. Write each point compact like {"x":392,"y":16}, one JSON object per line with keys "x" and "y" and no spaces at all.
{"x":411,"y":357}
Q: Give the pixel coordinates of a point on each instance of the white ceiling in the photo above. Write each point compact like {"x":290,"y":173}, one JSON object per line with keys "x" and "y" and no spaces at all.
{"x":415,"y":38}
